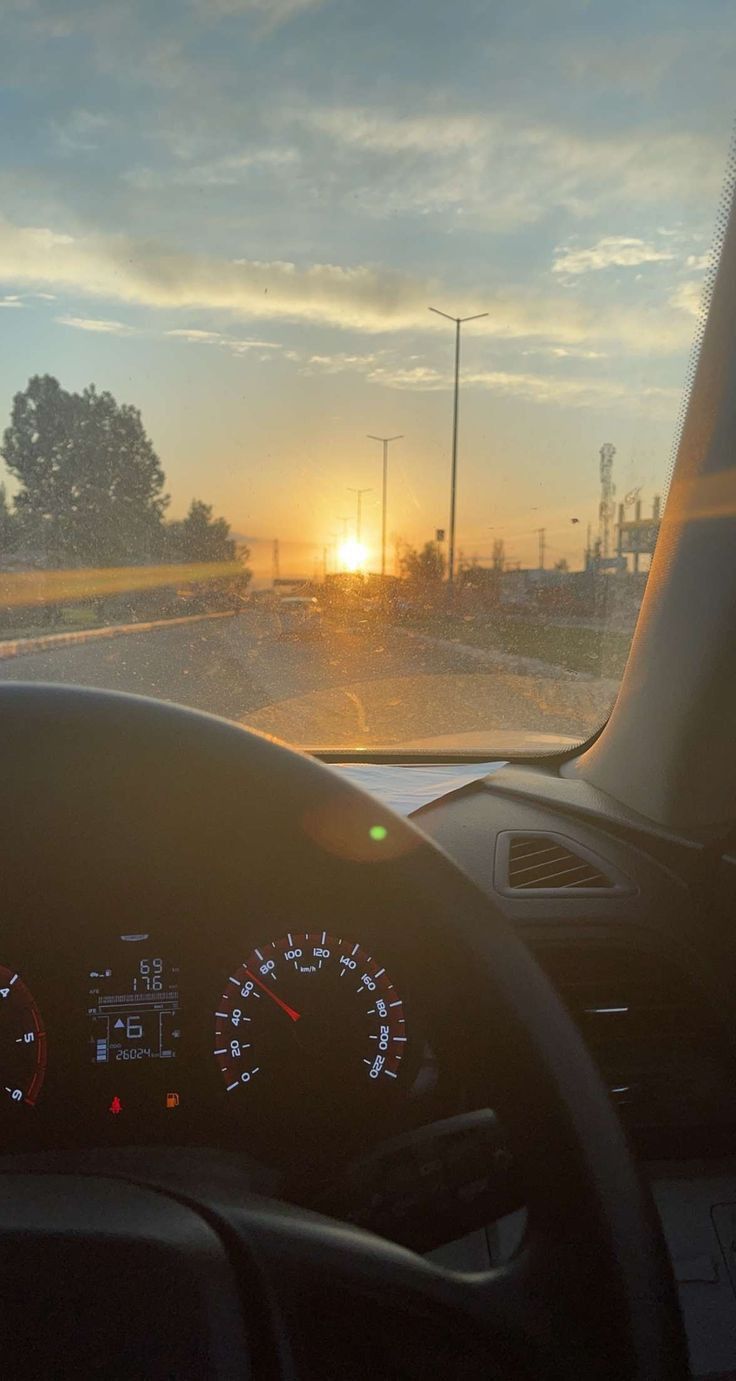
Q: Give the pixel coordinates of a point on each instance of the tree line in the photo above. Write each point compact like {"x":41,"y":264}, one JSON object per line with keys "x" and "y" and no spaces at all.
{"x":91,"y":487}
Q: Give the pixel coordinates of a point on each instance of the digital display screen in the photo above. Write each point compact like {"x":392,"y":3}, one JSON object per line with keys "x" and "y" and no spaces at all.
{"x":134,"y":1006}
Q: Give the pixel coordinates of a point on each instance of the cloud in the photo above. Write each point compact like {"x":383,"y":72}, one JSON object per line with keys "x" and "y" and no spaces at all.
{"x":274,"y":12}
{"x":195,"y":336}
{"x":565,"y":352}
{"x":88,"y":323}
{"x":150,"y":273}
{"x":11,"y":301}
{"x":227,"y":171}
{"x":469,"y":163}
{"x":688,"y":297}
{"x":613,"y":251}
{"x":540,"y":389}
{"x":241,"y":347}
{"x":557,"y":390}
{"x":79,"y":131}
{"x":341,"y":362}
{"x":362,"y":297}
{"x":365,"y":129}
{"x":575,"y":392}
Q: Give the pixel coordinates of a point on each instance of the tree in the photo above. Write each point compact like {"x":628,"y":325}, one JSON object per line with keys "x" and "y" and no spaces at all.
{"x":425,"y":567}
{"x":91,"y":483}
{"x":199,"y":536}
{"x":8,"y":525}
{"x":561,"y":565}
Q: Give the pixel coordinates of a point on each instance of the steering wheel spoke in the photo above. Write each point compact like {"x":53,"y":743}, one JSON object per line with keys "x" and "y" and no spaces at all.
{"x":354,"y":1304}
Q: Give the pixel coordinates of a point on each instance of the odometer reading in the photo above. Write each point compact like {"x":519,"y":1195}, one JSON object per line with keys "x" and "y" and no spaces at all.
{"x":310,"y":1010}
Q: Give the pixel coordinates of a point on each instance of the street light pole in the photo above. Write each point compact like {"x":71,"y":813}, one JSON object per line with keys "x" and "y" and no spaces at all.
{"x":458,"y":321}
{"x":385,"y":443}
{"x":359,"y":496}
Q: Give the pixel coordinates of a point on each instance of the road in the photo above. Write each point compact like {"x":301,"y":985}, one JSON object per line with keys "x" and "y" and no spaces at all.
{"x":348,"y":687}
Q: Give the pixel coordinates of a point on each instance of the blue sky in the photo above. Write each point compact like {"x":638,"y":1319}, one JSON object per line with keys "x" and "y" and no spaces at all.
{"x":236,"y":213}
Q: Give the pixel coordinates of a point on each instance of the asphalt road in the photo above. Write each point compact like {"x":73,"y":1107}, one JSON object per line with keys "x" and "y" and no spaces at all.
{"x":347,"y":687}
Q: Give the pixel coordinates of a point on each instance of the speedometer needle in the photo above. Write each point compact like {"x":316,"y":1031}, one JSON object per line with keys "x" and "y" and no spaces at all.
{"x":295,"y":1016}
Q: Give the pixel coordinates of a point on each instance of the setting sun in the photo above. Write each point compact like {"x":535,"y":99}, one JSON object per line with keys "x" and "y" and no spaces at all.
{"x":352,"y":555}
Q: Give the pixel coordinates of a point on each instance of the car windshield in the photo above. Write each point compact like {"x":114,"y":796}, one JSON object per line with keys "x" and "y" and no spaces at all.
{"x":343,"y":348}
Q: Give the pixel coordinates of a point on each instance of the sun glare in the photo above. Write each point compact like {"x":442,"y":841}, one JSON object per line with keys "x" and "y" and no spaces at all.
{"x":352,"y":555}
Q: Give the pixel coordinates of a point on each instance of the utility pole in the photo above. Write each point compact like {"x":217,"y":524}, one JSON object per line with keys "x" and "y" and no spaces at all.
{"x":541,"y":532}
{"x":458,"y":321}
{"x":606,"y":510}
{"x":276,"y":561}
{"x":359,"y":498}
{"x":637,"y":516}
{"x":385,"y":441}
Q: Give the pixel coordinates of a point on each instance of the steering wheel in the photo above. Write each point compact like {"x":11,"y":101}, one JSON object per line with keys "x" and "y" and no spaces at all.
{"x":104,"y":1274}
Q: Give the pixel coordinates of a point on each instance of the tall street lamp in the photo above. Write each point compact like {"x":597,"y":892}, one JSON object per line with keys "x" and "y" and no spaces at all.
{"x":359,"y":499}
{"x":458,"y":320}
{"x":385,"y":440}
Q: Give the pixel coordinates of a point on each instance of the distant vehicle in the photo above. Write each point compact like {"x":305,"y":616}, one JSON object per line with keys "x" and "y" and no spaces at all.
{"x":299,"y":616}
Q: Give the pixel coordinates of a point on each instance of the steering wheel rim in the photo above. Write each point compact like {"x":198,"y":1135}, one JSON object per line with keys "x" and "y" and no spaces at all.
{"x":591,"y":1292}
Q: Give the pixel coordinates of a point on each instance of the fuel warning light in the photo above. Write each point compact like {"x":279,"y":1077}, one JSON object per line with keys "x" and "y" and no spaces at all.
{"x":116,"y":1106}
{"x":172,"y":1100}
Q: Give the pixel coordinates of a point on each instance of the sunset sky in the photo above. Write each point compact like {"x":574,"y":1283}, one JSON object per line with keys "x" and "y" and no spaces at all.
{"x":235,"y":214}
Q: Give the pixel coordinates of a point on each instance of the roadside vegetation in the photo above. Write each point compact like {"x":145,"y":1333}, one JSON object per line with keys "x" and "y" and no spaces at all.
{"x":89,"y":495}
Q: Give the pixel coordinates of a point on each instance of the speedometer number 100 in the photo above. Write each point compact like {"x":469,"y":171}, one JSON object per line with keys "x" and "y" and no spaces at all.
{"x":309,"y":1006}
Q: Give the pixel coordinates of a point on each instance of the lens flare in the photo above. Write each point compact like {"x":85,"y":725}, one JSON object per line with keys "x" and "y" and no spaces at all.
{"x":352,"y":556}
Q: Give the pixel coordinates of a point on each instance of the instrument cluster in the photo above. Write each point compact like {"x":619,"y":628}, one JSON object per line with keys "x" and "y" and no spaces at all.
{"x":299,"y":1048}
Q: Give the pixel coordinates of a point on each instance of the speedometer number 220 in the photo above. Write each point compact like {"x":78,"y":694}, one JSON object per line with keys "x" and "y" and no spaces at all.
{"x":309,"y":1008}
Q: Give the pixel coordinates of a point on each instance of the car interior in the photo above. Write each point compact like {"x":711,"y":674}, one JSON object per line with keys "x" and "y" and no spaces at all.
{"x":535,"y":1176}
{"x":518,"y":1161}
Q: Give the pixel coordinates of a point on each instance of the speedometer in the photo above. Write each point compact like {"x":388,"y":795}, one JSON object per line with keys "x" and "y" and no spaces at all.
{"x":309,"y":1010}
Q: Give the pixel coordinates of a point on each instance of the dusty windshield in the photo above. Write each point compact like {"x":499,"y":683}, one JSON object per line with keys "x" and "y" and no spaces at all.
{"x":343,"y":345}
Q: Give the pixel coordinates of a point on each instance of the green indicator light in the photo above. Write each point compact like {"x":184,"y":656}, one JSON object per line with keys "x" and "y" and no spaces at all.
{"x":378,"y":832}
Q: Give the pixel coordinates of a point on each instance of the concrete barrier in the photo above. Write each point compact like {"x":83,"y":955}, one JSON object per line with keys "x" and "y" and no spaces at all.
{"x":20,"y":647}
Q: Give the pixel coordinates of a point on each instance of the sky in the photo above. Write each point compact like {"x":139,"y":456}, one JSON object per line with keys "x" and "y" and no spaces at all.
{"x":236,"y":214}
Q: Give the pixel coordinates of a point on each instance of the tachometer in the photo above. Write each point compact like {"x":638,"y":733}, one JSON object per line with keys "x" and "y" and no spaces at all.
{"x":22,"y":1041}
{"x":310,"y":1010}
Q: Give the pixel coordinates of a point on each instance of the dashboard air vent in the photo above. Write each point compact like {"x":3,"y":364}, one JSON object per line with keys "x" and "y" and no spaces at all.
{"x":546,"y":862}
{"x":650,"y":1029}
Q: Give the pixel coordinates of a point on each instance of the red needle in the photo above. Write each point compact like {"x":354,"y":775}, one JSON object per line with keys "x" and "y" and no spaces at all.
{"x":295,"y":1016}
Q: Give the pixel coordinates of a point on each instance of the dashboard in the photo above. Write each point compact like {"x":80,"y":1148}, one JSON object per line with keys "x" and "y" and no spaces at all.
{"x":264,"y":1041}
{"x":634,"y":926}
{"x":152,"y":1008}
{"x":326,"y":1063}
{"x":252,"y":1015}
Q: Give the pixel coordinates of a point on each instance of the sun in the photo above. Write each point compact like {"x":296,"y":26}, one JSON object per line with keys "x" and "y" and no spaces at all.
{"x":352,"y":555}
